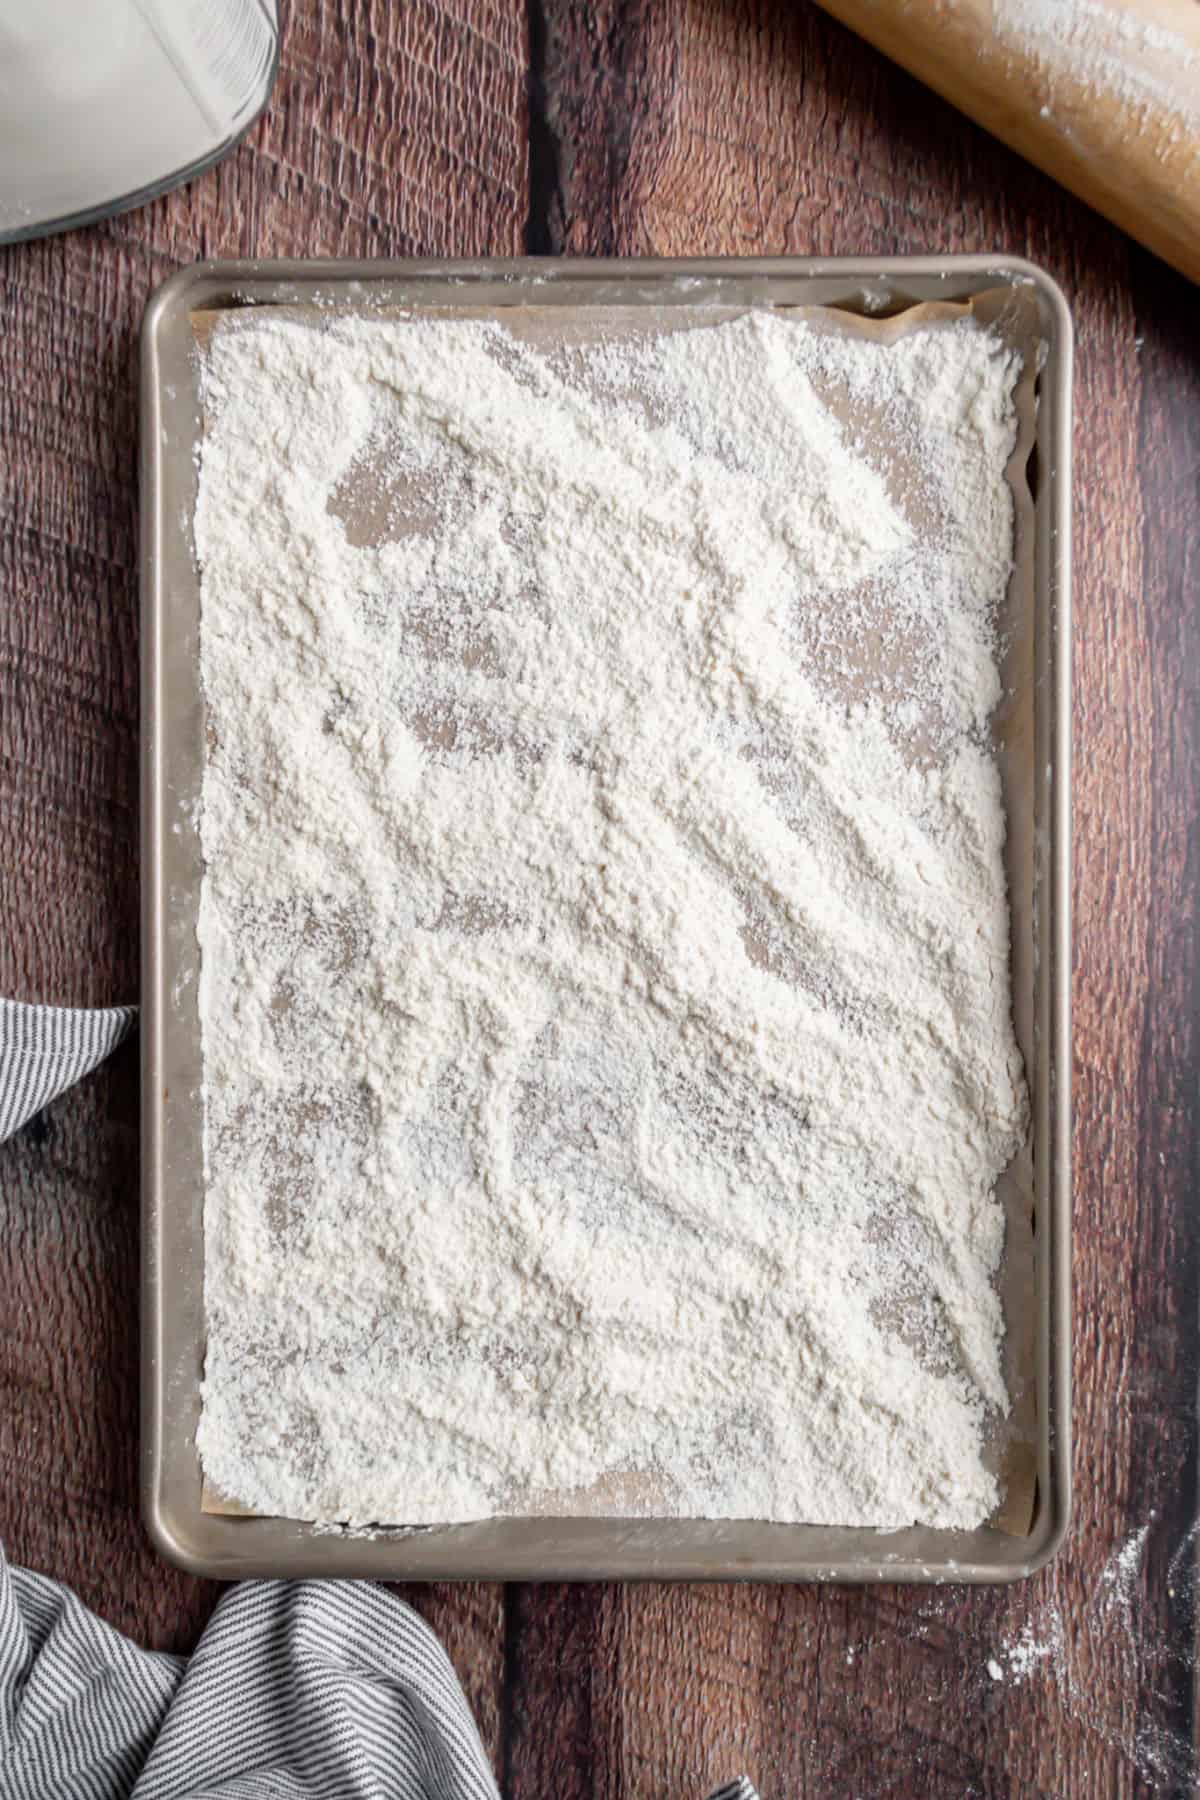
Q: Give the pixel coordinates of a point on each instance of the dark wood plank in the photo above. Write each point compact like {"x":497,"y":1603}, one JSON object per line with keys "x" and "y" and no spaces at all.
{"x":393,"y":131}
{"x":759,"y":126}
{"x":1166,"y":1290}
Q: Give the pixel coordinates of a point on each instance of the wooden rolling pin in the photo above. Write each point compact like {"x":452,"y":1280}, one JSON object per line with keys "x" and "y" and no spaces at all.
{"x":1104,"y":95}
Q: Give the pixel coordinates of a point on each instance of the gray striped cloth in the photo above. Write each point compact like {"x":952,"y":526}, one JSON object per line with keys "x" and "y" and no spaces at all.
{"x":299,"y":1690}
{"x":45,"y":1049}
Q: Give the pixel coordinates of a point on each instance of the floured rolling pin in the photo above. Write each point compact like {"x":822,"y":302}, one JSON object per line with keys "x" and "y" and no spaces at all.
{"x":1102,"y":95}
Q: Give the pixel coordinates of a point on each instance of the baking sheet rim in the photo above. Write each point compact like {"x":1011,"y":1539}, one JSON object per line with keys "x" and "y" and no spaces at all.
{"x":295,"y":1547}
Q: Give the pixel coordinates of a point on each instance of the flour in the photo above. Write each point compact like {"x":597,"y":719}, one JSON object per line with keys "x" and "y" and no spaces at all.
{"x":1119,"y":1576}
{"x":605,"y":991}
{"x":1019,"y":1659}
{"x":1107,"y":53}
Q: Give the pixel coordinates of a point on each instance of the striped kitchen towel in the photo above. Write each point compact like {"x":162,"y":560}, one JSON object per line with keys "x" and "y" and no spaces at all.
{"x":302,"y":1690}
{"x":46,"y":1049}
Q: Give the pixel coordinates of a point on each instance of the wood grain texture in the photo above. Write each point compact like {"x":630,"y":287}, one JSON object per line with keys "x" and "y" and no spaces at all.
{"x":729,"y":126}
{"x":684,"y":126}
{"x":393,"y":131}
{"x":1102,"y":98}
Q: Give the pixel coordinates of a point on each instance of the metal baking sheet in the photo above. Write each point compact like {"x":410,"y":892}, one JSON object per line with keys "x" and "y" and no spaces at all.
{"x":225,"y":1545}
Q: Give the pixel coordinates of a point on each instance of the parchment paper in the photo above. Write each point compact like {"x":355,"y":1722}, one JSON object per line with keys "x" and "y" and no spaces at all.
{"x":1011,"y":314}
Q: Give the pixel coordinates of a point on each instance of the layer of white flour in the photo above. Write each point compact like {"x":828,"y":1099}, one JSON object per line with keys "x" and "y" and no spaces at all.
{"x":606,"y":1012}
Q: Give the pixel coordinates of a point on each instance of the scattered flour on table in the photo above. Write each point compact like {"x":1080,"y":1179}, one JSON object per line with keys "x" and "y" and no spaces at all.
{"x":1118,"y":1579}
{"x":606,"y":1011}
{"x":1017,"y":1660}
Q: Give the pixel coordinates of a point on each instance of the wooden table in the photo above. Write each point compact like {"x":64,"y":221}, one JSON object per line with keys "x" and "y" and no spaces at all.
{"x":686,"y":126}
